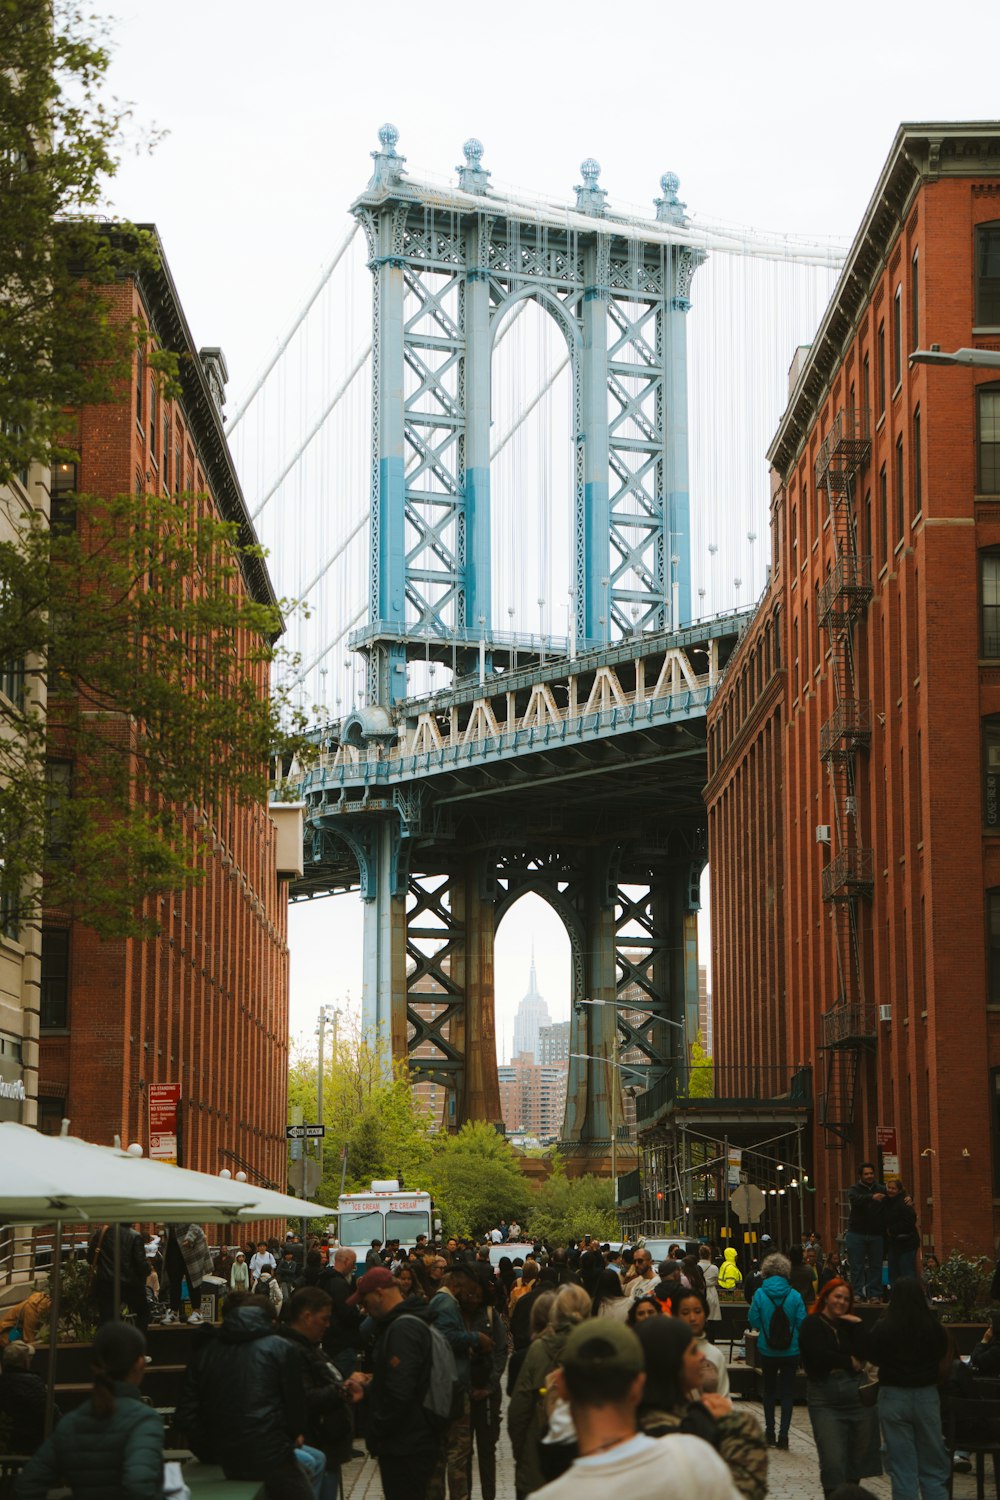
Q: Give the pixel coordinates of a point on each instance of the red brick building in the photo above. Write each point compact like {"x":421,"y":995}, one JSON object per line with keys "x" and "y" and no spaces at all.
{"x":204,"y":1005}
{"x":854,"y":748}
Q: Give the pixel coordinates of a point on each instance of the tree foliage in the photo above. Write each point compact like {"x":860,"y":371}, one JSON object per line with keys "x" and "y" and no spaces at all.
{"x":156,"y":668}
{"x":369,"y":1107}
{"x":476,"y":1181}
{"x":60,"y":136}
{"x":701,"y":1076}
{"x":566,"y":1208}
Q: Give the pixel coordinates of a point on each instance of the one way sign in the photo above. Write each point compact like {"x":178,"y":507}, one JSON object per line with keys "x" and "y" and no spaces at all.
{"x":304,"y":1132}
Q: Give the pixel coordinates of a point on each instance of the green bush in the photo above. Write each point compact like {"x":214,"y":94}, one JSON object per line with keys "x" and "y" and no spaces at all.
{"x":964,"y":1281}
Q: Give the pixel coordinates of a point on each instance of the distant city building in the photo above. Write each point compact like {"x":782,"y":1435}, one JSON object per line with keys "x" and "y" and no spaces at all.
{"x":553,"y":1043}
{"x":705,"y":1009}
{"x":533,"y":1097}
{"x":532,"y":1015}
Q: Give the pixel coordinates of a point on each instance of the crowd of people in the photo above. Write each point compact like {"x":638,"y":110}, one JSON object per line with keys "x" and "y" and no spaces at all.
{"x":613,"y":1381}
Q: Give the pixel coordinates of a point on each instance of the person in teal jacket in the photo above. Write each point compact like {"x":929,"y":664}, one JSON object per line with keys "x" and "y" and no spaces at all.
{"x":112,"y":1445}
{"x":778,"y":1361}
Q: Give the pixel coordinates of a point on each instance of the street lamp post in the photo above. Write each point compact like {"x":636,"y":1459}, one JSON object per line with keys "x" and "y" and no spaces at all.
{"x":983,"y":359}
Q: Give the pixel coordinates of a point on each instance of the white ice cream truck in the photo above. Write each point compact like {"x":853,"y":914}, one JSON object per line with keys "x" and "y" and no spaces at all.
{"x":386,"y":1213}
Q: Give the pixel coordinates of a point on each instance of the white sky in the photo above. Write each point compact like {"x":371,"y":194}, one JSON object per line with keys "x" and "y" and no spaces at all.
{"x":775,"y":115}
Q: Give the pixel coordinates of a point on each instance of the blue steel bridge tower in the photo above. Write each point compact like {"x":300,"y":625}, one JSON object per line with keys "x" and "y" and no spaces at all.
{"x":574,"y":773}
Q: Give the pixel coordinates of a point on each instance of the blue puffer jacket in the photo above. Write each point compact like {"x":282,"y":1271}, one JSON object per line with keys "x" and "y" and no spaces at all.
{"x":767,"y":1297}
{"x":112,"y":1458}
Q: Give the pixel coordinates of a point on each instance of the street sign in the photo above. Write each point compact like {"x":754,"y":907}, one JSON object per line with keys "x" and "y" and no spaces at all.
{"x":304,"y":1176}
{"x":747,"y":1203}
{"x":314,"y":1132}
{"x":294,"y":1132}
{"x":164,"y":1104}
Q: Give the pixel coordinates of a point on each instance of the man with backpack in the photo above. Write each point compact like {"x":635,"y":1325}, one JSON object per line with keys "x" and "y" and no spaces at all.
{"x":402,"y":1432}
{"x":460,"y":1294}
{"x":777,"y":1312}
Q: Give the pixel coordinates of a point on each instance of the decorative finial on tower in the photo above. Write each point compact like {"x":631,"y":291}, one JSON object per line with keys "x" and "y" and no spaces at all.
{"x":590,"y":198}
{"x":669,"y":208}
{"x":388,"y":162}
{"x":472,"y":177}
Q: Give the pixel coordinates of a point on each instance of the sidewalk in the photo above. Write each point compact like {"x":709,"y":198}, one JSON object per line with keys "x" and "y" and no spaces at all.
{"x":792,"y":1476}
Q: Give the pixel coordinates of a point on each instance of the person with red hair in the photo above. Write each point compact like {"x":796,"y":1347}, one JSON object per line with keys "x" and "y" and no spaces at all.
{"x":833,"y":1348}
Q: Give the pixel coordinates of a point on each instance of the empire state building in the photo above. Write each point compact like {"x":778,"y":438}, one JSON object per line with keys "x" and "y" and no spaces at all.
{"x":532,"y":1015}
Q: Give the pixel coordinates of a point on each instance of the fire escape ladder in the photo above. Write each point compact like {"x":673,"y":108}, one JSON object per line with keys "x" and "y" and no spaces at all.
{"x":847,"y":880}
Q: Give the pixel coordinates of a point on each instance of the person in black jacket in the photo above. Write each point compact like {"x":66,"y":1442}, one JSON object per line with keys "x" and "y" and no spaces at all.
{"x":132,"y":1267}
{"x":400,"y":1433}
{"x":327,"y":1419}
{"x":865,"y":1238}
{"x":22,"y":1398}
{"x":343,"y":1340}
{"x":985,"y":1357}
{"x":908,"y":1345}
{"x":901,"y":1236}
{"x":244,"y":1400}
{"x":832,"y":1348}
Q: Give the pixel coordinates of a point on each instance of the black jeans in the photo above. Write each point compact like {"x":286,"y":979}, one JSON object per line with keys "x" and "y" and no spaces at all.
{"x":485,"y":1415}
{"x":405,"y":1476}
{"x":133,"y":1296}
{"x":779,"y":1380}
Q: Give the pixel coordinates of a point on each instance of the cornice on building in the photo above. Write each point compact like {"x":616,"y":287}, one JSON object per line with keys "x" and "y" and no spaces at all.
{"x":921,"y":153}
{"x":169,"y":323}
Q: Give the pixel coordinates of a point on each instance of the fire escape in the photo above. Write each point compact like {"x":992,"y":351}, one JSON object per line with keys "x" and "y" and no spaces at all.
{"x":847,"y":880}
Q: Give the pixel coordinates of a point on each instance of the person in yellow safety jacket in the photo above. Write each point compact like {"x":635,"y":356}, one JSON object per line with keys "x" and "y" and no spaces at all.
{"x":730,"y":1274}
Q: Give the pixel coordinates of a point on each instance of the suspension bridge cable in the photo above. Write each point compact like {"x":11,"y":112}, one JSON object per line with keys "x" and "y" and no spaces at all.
{"x":317,"y":426}
{"x":526,"y":411}
{"x":303,"y":673}
{"x":339,"y":553}
{"x":328,"y":271}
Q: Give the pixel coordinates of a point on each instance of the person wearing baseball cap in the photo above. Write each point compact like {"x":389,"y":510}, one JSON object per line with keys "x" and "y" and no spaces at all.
{"x":602,"y":1377}
{"x":400,"y":1433}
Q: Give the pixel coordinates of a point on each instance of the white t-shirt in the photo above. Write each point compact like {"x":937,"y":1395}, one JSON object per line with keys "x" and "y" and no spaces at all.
{"x":671,"y":1468}
{"x":642,"y":1286}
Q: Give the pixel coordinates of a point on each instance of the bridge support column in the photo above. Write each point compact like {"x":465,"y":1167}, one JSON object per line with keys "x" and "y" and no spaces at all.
{"x":383,"y":989}
{"x":478,"y":354}
{"x":480,"y":1094}
{"x":586,"y":1139}
{"x":683,"y":949}
{"x":387,"y":664}
{"x":673,"y":326}
{"x":596,"y":521}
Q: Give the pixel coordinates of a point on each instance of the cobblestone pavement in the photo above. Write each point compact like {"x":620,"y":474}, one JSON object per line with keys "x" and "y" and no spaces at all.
{"x":792,"y":1476}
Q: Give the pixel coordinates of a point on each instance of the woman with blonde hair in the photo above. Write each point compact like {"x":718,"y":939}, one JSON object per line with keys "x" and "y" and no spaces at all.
{"x":527,"y":1414}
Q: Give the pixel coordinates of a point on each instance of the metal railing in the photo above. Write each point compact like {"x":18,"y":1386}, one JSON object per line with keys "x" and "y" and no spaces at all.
{"x":847,"y":729}
{"x":844,"y":1024}
{"x":789,"y":1083}
{"x":849,"y":873}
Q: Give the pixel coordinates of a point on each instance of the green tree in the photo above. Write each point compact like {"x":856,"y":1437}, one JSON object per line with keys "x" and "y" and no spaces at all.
{"x":378,"y":1118}
{"x":701,"y":1079}
{"x":565,"y":1208}
{"x":476,"y":1180}
{"x":156,"y":667}
{"x":60,"y":137}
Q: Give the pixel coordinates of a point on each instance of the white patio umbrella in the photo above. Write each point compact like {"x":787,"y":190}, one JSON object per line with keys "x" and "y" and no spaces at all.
{"x":61,"y":1179}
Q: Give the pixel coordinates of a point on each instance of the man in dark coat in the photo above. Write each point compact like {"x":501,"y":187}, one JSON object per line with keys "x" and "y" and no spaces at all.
{"x":865,"y":1237}
{"x":327,"y":1418}
{"x":244,"y":1400}
{"x":22,"y":1398}
{"x":400,"y":1433}
{"x":342,"y":1339}
{"x":133,"y":1270}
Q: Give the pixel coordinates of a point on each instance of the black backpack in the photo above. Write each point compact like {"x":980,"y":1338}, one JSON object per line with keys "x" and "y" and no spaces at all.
{"x":779,"y":1334}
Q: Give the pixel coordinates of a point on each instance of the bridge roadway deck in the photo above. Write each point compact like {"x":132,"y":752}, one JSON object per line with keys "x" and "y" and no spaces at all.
{"x":611,"y":742}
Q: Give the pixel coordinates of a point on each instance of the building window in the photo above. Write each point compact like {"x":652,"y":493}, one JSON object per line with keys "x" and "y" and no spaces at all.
{"x":897,"y":337}
{"x":883,"y":504}
{"x":880,"y":368}
{"x":866,"y":391}
{"x":58,"y":783}
{"x":989,"y":591}
{"x":140,"y":364}
{"x":988,"y":275}
{"x":900,"y":500}
{"x":918,"y":483}
{"x":62,"y":492}
{"x":152,"y":418}
{"x":795,"y":536}
{"x":995,"y":1126}
{"x":988,"y":438}
{"x":991,"y":772}
{"x":10,"y":921}
{"x":993,"y":946}
{"x":51,"y":1113}
{"x":12,"y":679}
{"x":55,"y":979}
{"x":915,"y":300}
{"x":166,"y":450}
